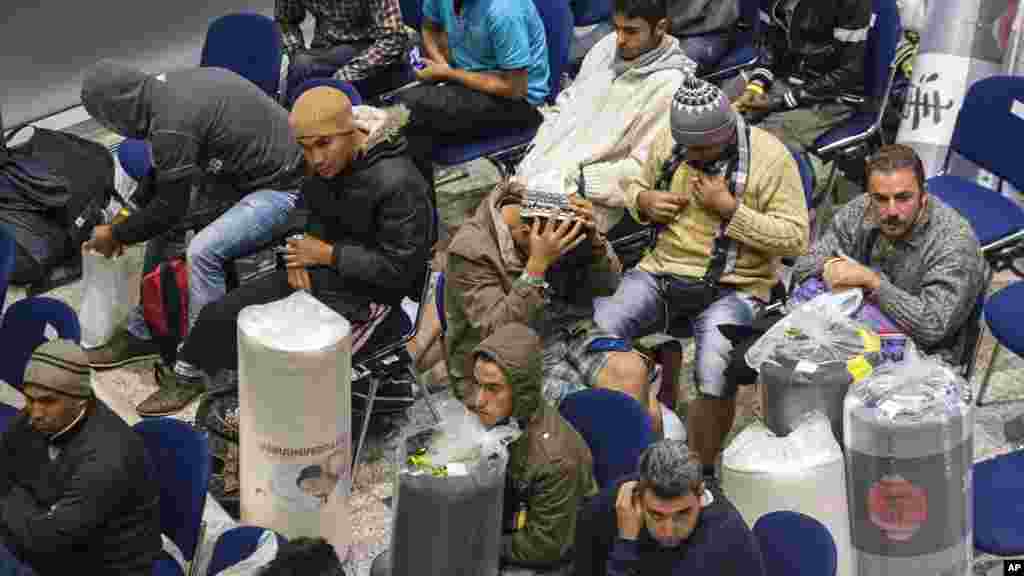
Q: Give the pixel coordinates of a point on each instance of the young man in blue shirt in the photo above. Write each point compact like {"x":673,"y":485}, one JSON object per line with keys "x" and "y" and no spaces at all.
{"x":484,"y":67}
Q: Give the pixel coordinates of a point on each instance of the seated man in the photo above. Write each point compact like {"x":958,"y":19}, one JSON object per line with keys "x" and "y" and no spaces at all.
{"x":362,"y":42}
{"x":368,"y":233}
{"x":664,"y":521}
{"x":77,"y":488}
{"x":811,"y":74}
{"x":705,"y":29}
{"x":550,"y":467}
{"x":728,"y":205}
{"x":491,"y":60}
{"x":208,"y":128}
{"x":912,"y":254}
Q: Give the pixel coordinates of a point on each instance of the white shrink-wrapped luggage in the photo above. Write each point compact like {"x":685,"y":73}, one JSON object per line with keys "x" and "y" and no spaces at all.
{"x":802,"y":471}
{"x":909,"y":438}
{"x":294,"y":392}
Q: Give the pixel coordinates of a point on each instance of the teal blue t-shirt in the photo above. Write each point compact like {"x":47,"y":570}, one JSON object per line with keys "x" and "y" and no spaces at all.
{"x":496,"y":35}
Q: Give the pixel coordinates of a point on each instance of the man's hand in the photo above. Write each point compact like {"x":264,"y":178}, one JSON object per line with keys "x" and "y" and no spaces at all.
{"x":304,"y":251}
{"x":103,"y":242}
{"x":550,"y":241}
{"x":661,"y":207}
{"x":843,"y":273}
{"x":629,"y":511}
{"x":433,"y":71}
{"x":712,"y":192}
{"x":584,"y":210}
{"x":298,"y":279}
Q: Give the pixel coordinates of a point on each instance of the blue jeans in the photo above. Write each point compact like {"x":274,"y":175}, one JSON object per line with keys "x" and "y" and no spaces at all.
{"x":640,"y":307}
{"x":706,"y":50}
{"x":325,"y":62}
{"x":244,"y":228}
{"x":10,"y":566}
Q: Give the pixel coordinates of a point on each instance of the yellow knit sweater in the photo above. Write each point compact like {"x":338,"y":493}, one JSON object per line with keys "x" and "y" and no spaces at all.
{"x":771,"y":222}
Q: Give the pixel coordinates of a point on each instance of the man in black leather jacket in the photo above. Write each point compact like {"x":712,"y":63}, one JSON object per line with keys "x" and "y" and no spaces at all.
{"x":811,"y":75}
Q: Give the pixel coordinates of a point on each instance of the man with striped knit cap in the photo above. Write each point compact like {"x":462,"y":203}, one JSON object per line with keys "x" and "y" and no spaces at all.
{"x":727,"y":204}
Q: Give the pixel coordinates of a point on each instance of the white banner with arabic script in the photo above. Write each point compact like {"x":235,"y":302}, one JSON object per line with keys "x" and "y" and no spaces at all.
{"x":934,"y":98}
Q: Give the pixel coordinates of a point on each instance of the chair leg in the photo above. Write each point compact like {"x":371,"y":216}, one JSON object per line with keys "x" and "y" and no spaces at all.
{"x":424,"y":393}
{"x":367,"y":412}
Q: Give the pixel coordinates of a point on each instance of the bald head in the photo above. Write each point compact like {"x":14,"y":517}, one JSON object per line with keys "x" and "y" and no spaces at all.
{"x":321,"y":111}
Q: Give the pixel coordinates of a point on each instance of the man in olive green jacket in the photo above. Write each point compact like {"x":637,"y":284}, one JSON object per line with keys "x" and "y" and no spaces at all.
{"x":550,"y":470}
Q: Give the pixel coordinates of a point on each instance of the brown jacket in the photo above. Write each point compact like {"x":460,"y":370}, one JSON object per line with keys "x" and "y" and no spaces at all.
{"x":550,"y":469}
{"x":483,"y":289}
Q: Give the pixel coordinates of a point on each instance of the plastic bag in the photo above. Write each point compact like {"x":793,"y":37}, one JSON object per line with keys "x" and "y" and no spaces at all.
{"x":449,"y":494}
{"x":809,"y":446}
{"x":107,"y":296}
{"x":819,"y":330}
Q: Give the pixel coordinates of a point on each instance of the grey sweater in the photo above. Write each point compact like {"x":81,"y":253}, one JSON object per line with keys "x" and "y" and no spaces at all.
{"x":930,"y":280}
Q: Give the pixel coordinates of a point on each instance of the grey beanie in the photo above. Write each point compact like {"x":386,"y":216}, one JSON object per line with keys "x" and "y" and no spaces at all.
{"x":701,"y":114}
{"x":61,"y":366}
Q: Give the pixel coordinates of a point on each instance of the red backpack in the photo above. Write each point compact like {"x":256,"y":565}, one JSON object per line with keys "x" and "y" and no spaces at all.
{"x":165,"y":304}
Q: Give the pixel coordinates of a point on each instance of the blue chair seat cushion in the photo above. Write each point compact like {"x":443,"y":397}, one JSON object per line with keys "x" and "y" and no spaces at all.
{"x":993,"y":216}
{"x":999,"y":505}
{"x":134,"y":158}
{"x":493,"y":143}
{"x":858,"y":126}
{"x":1002,"y":314}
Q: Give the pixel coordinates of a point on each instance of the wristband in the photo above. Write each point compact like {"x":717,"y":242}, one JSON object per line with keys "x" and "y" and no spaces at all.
{"x":755,"y":88}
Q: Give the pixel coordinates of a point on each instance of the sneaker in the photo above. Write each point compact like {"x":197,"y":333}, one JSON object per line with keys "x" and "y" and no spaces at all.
{"x":123,"y":348}
{"x":174,"y":395}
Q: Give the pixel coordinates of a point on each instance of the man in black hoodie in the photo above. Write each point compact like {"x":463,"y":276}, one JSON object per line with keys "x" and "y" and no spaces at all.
{"x":211,"y":132}
{"x":77,"y":490}
{"x":367,"y":237}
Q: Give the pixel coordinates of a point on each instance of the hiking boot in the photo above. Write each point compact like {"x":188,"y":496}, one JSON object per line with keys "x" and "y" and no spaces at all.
{"x":123,"y":348}
{"x":175,"y":393}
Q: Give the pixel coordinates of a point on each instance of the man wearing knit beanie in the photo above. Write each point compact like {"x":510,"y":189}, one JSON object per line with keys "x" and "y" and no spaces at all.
{"x":726,"y":203}
{"x":76,"y":488}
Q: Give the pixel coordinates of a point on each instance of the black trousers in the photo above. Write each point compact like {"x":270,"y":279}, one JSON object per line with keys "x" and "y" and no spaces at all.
{"x":213,"y":343}
{"x":452,"y":114}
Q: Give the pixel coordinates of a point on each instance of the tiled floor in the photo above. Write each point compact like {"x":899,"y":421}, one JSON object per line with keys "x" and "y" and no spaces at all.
{"x":127,"y":387}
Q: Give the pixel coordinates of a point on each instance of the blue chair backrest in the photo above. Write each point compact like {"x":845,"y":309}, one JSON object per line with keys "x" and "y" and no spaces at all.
{"x":614,"y":425}
{"x":806,"y":174}
{"x":588,"y":12}
{"x":794,"y":544}
{"x":236,"y":545}
{"x":880,"y":48}
{"x":6,"y":262}
{"x":347,"y":88}
{"x":247,"y":44}
{"x":134,"y":157}
{"x":439,"y":302}
{"x":412,"y":13}
{"x":181,"y":458}
{"x":7,"y":413}
{"x":557,"y":18}
{"x":986,"y":113}
{"x":24,"y":329}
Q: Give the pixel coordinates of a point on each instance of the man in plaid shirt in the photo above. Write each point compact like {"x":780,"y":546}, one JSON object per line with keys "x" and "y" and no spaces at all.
{"x":358,"y":41}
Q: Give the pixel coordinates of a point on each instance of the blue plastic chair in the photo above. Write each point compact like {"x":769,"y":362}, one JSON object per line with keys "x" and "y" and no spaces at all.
{"x":236,"y":545}
{"x":590,"y":12}
{"x":181,"y":457}
{"x":745,"y":54}
{"x":7,"y":249}
{"x":986,"y":120}
{"x":880,"y":67}
{"x":1002,"y":314}
{"x":504,"y":148}
{"x":347,"y":88}
{"x":999,"y":505}
{"x":248,"y":44}
{"x":614,"y":425}
{"x":7,"y":413}
{"x":794,"y":544}
{"x":24,"y":329}
{"x":439,"y":303}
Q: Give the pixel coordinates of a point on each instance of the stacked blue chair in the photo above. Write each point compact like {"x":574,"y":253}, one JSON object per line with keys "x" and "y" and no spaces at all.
{"x":745,"y":52}
{"x":181,"y":457}
{"x":505,"y":148}
{"x":999,"y":505}
{"x":987,"y":119}
{"x":852,"y":136}
{"x":236,"y":545}
{"x":1003,"y":315}
{"x":25,"y":328}
{"x":794,"y":544}
{"x":615,"y":427}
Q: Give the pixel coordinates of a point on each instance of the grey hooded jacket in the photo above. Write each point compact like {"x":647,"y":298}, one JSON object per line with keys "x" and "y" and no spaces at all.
{"x":200,"y":122}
